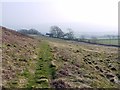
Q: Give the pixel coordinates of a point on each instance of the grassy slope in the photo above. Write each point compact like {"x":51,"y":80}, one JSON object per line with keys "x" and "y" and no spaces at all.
{"x":26,"y":61}
{"x":0,"y":57}
{"x":83,"y":65}
{"x":46,"y":62}
{"x":42,"y":74}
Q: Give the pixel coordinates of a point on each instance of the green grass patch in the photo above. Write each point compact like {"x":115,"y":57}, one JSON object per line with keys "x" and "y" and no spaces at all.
{"x":108,"y":41}
{"x":104,"y":41}
{"x":44,"y":70}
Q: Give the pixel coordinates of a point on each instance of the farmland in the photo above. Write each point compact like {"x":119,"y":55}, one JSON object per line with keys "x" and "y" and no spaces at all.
{"x":108,"y":41}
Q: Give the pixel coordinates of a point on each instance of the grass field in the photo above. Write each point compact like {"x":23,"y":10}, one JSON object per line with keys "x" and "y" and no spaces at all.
{"x":108,"y":41}
{"x":104,"y":41}
{"x":83,"y":65}
{"x":43,"y":62}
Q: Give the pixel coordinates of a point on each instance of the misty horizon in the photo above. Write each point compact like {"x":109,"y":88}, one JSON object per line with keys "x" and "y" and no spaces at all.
{"x":78,"y":28}
{"x":41,"y":15}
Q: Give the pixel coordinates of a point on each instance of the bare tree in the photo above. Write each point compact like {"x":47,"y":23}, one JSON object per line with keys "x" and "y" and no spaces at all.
{"x":70,"y":34}
{"x":56,"y":32}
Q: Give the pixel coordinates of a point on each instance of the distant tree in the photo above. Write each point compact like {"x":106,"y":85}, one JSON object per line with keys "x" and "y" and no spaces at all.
{"x":70,"y":34}
{"x":55,"y":31}
{"x":23,"y":31}
{"x":110,"y":38}
{"x":30,"y":31}
{"x":114,"y":36}
{"x":82,"y":38}
{"x":34,"y":31}
{"x":118,"y":37}
{"x":94,"y":39}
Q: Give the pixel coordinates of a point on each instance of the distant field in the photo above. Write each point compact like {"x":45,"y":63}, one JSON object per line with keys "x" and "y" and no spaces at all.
{"x":108,"y":41}
{"x":100,"y":41}
{"x":104,"y":41}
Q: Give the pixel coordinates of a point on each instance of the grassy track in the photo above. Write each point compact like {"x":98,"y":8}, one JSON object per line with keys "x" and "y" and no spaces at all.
{"x":38,"y":73}
{"x":44,"y":69}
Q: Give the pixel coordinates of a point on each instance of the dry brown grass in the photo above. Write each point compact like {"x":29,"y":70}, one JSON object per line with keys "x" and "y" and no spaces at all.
{"x":77,"y":64}
{"x":18,"y":51}
{"x":85,"y":65}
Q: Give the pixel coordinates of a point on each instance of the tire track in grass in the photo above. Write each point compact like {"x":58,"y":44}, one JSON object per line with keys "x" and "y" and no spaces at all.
{"x":44,"y":69}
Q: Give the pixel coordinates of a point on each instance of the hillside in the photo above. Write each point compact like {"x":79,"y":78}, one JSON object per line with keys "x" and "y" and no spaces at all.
{"x":21,"y":60}
{"x":42,"y":62}
{"x":84,"y":65}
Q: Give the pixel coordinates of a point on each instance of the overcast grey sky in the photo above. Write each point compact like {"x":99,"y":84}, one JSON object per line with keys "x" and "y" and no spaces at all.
{"x":80,"y":15}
